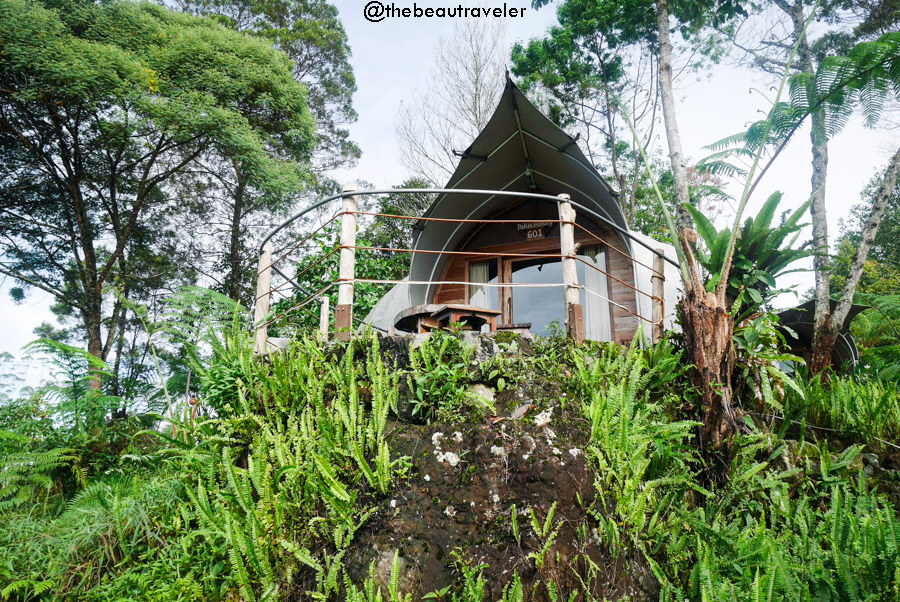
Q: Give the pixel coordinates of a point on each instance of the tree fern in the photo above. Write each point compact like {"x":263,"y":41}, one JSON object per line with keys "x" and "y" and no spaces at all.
{"x":865,"y":78}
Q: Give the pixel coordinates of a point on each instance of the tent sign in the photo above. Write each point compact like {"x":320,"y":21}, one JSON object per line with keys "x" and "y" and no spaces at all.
{"x":533,"y":230}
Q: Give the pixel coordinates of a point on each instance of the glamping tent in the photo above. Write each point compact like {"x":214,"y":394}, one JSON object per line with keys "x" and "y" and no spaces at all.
{"x":466,"y":244}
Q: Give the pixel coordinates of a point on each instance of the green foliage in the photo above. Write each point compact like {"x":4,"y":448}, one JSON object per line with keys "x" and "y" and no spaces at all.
{"x":74,"y":368}
{"x":881,"y":272}
{"x":27,"y":476}
{"x":856,"y":406}
{"x":272,"y":487}
{"x":473,"y":584}
{"x":759,"y":342}
{"x":439,"y":373}
{"x":762,"y":534}
{"x":514,"y":591}
{"x":30,"y":418}
{"x":761,"y":254}
{"x":264,"y":496}
{"x":231,"y":367}
{"x":761,"y":540}
{"x":317,"y":270}
{"x":546,"y":534}
{"x":635,"y":20}
{"x":120,"y":537}
{"x":105,"y":106}
{"x":864,"y":79}
{"x":582,"y":70}
{"x":642,"y":459}
{"x":293,"y":461}
{"x":515,"y":364}
{"x":877,"y":332}
{"x":372,"y":593}
{"x":310,"y":32}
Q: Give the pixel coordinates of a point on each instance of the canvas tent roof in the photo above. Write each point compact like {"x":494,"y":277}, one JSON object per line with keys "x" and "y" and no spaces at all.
{"x":519,"y":150}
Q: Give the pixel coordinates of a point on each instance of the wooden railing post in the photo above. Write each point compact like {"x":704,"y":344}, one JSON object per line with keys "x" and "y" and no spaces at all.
{"x":343,"y":316}
{"x":323,"y":318}
{"x":574,"y":310}
{"x":658,"y":280}
{"x":263,"y":295}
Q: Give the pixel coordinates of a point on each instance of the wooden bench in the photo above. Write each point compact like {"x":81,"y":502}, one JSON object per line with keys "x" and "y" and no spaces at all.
{"x":425,"y":318}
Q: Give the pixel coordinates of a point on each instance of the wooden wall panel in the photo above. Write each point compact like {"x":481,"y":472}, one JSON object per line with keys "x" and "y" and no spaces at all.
{"x":454,"y":272}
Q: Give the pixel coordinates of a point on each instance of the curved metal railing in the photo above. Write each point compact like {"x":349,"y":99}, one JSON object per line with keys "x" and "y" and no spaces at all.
{"x":308,"y":297}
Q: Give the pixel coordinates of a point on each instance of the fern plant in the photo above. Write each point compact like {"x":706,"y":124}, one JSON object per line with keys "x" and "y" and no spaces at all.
{"x":26,"y":477}
{"x":439,"y":371}
{"x":762,"y":253}
{"x":300,"y":456}
{"x":642,"y":460}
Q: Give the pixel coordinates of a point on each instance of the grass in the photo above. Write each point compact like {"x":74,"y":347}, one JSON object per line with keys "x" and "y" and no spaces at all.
{"x":266,"y":497}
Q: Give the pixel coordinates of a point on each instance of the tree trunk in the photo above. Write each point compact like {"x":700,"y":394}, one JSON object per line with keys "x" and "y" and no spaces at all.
{"x":95,"y":382}
{"x":824,"y":333}
{"x":708,"y":329}
{"x":870,"y":230}
{"x":707,"y":324}
{"x":233,"y":285}
{"x":673,"y":137}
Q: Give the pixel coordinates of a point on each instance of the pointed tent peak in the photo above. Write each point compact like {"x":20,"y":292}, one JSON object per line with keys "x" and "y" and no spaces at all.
{"x":525,"y":144}
{"x":520,"y":149}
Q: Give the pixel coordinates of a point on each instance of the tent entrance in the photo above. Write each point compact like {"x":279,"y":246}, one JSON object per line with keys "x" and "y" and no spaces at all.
{"x":537,"y":302}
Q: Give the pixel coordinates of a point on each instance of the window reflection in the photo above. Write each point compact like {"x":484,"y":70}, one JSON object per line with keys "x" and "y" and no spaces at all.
{"x":538,"y":306}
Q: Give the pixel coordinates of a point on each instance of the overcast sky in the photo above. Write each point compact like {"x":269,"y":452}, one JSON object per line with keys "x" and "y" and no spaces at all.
{"x":393,"y":57}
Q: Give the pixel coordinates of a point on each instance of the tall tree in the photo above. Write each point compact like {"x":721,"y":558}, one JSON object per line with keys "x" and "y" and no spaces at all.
{"x":463,"y":90}
{"x":881,"y":275}
{"x":867,"y":239}
{"x":826,"y":108}
{"x":101,"y":106}
{"x":706,"y":317}
{"x":768,"y":40}
{"x":311,"y":34}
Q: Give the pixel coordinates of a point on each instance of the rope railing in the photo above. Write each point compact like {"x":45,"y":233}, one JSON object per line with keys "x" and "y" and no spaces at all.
{"x":298,"y":244}
{"x":617,"y":250}
{"x":289,"y":286}
{"x":507,"y":255}
{"x":504,"y":285}
{"x":316,"y":263}
{"x":301,"y":305}
{"x":350,"y":192}
{"x":512,"y":221}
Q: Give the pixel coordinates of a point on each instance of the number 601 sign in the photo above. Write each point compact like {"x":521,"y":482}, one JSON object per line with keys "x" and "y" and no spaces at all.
{"x":532,"y":230}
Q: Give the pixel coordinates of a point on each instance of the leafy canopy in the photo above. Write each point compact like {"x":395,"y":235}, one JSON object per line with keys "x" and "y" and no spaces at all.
{"x":102,"y":106}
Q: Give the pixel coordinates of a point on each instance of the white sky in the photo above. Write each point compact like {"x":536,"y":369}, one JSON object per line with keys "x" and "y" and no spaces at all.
{"x":394,"y":57}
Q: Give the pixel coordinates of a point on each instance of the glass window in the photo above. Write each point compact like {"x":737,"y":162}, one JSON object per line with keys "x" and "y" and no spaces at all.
{"x":538,"y":306}
{"x":486,"y":297}
{"x":541,"y":306}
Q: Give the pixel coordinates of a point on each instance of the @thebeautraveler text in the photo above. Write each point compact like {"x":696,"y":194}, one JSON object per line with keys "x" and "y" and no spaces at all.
{"x":376,"y":11}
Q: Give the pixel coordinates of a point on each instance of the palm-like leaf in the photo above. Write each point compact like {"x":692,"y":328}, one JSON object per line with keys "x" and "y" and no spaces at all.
{"x":863,"y":79}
